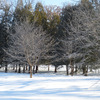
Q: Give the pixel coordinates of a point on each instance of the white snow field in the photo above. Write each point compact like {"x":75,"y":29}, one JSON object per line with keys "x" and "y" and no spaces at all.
{"x":46,"y":86}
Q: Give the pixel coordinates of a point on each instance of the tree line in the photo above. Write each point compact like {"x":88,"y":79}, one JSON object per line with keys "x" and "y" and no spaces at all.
{"x":50,"y":35}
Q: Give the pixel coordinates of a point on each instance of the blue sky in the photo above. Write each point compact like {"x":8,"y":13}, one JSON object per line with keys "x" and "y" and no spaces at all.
{"x":51,"y":2}
{"x":58,"y":2}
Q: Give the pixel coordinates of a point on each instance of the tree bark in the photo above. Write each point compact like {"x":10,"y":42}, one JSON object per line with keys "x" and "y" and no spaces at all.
{"x":84,"y":71}
{"x":48,"y":68}
{"x":76,"y":69}
{"x":30,"y":71}
{"x":91,"y":69}
{"x":55,"y":69}
{"x":26,"y":67}
{"x":67,"y":70}
{"x":72,"y":68}
{"x":6,"y":68}
{"x":13,"y":67}
{"x":16,"y":69}
{"x":36,"y":69}
{"x":79,"y":68}
{"x":87,"y":69}
{"x":23,"y":69}
{"x":19,"y":71}
{"x":33,"y":69}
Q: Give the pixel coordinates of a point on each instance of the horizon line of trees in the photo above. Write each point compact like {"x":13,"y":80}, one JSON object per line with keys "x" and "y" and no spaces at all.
{"x":50,"y":35}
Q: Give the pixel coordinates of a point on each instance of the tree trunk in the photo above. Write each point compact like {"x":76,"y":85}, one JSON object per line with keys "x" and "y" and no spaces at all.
{"x":76,"y":69}
{"x":55,"y":69}
{"x":30,"y":71}
{"x":91,"y":69}
{"x":48,"y":68}
{"x":16,"y":69}
{"x":80,"y":69}
{"x":67,"y":71}
{"x":72,"y":70}
{"x":13,"y":67}
{"x":23,"y":69}
{"x":6,"y":68}
{"x":36,"y":69}
{"x":87,"y":69}
{"x":84,"y":71}
{"x":19,"y":71}
{"x":85,"y":74}
{"x":33,"y":69}
{"x":26,"y":67}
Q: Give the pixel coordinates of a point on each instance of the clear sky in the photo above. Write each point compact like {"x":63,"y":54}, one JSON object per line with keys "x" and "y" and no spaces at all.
{"x":58,"y":2}
{"x":51,"y":2}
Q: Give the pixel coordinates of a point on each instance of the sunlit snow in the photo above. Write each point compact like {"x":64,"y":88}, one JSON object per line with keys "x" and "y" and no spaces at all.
{"x":46,"y":86}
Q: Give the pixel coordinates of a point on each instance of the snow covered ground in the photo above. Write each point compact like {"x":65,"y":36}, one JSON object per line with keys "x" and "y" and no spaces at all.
{"x":14,"y":86}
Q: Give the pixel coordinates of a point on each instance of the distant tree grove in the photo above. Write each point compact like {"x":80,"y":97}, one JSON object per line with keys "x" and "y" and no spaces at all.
{"x":34,"y":34}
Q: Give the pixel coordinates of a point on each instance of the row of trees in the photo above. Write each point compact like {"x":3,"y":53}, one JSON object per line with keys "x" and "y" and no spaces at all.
{"x":80,"y":26}
{"x":50,"y":35}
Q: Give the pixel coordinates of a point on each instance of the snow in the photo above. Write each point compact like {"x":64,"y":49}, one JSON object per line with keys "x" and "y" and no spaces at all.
{"x":14,"y":86}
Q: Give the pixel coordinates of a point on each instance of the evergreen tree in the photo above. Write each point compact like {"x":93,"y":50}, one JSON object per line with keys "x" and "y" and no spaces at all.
{"x":18,"y":11}
{"x":53,"y":18}
{"x":23,"y":12}
{"x":5,"y":23}
{"x":40,"y":17}
{"x":77,"y":27}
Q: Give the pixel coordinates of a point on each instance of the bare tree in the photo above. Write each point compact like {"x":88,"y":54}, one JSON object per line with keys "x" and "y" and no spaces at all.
{"x":29,"y":44}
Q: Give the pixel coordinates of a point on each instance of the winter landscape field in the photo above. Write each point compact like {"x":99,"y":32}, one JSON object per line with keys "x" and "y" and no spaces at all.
{"x":49,"y":52}
{"x":48,"y":86}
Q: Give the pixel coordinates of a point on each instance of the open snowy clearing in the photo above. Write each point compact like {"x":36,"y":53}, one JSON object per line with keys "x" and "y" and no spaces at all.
{"x":46,"y":86}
